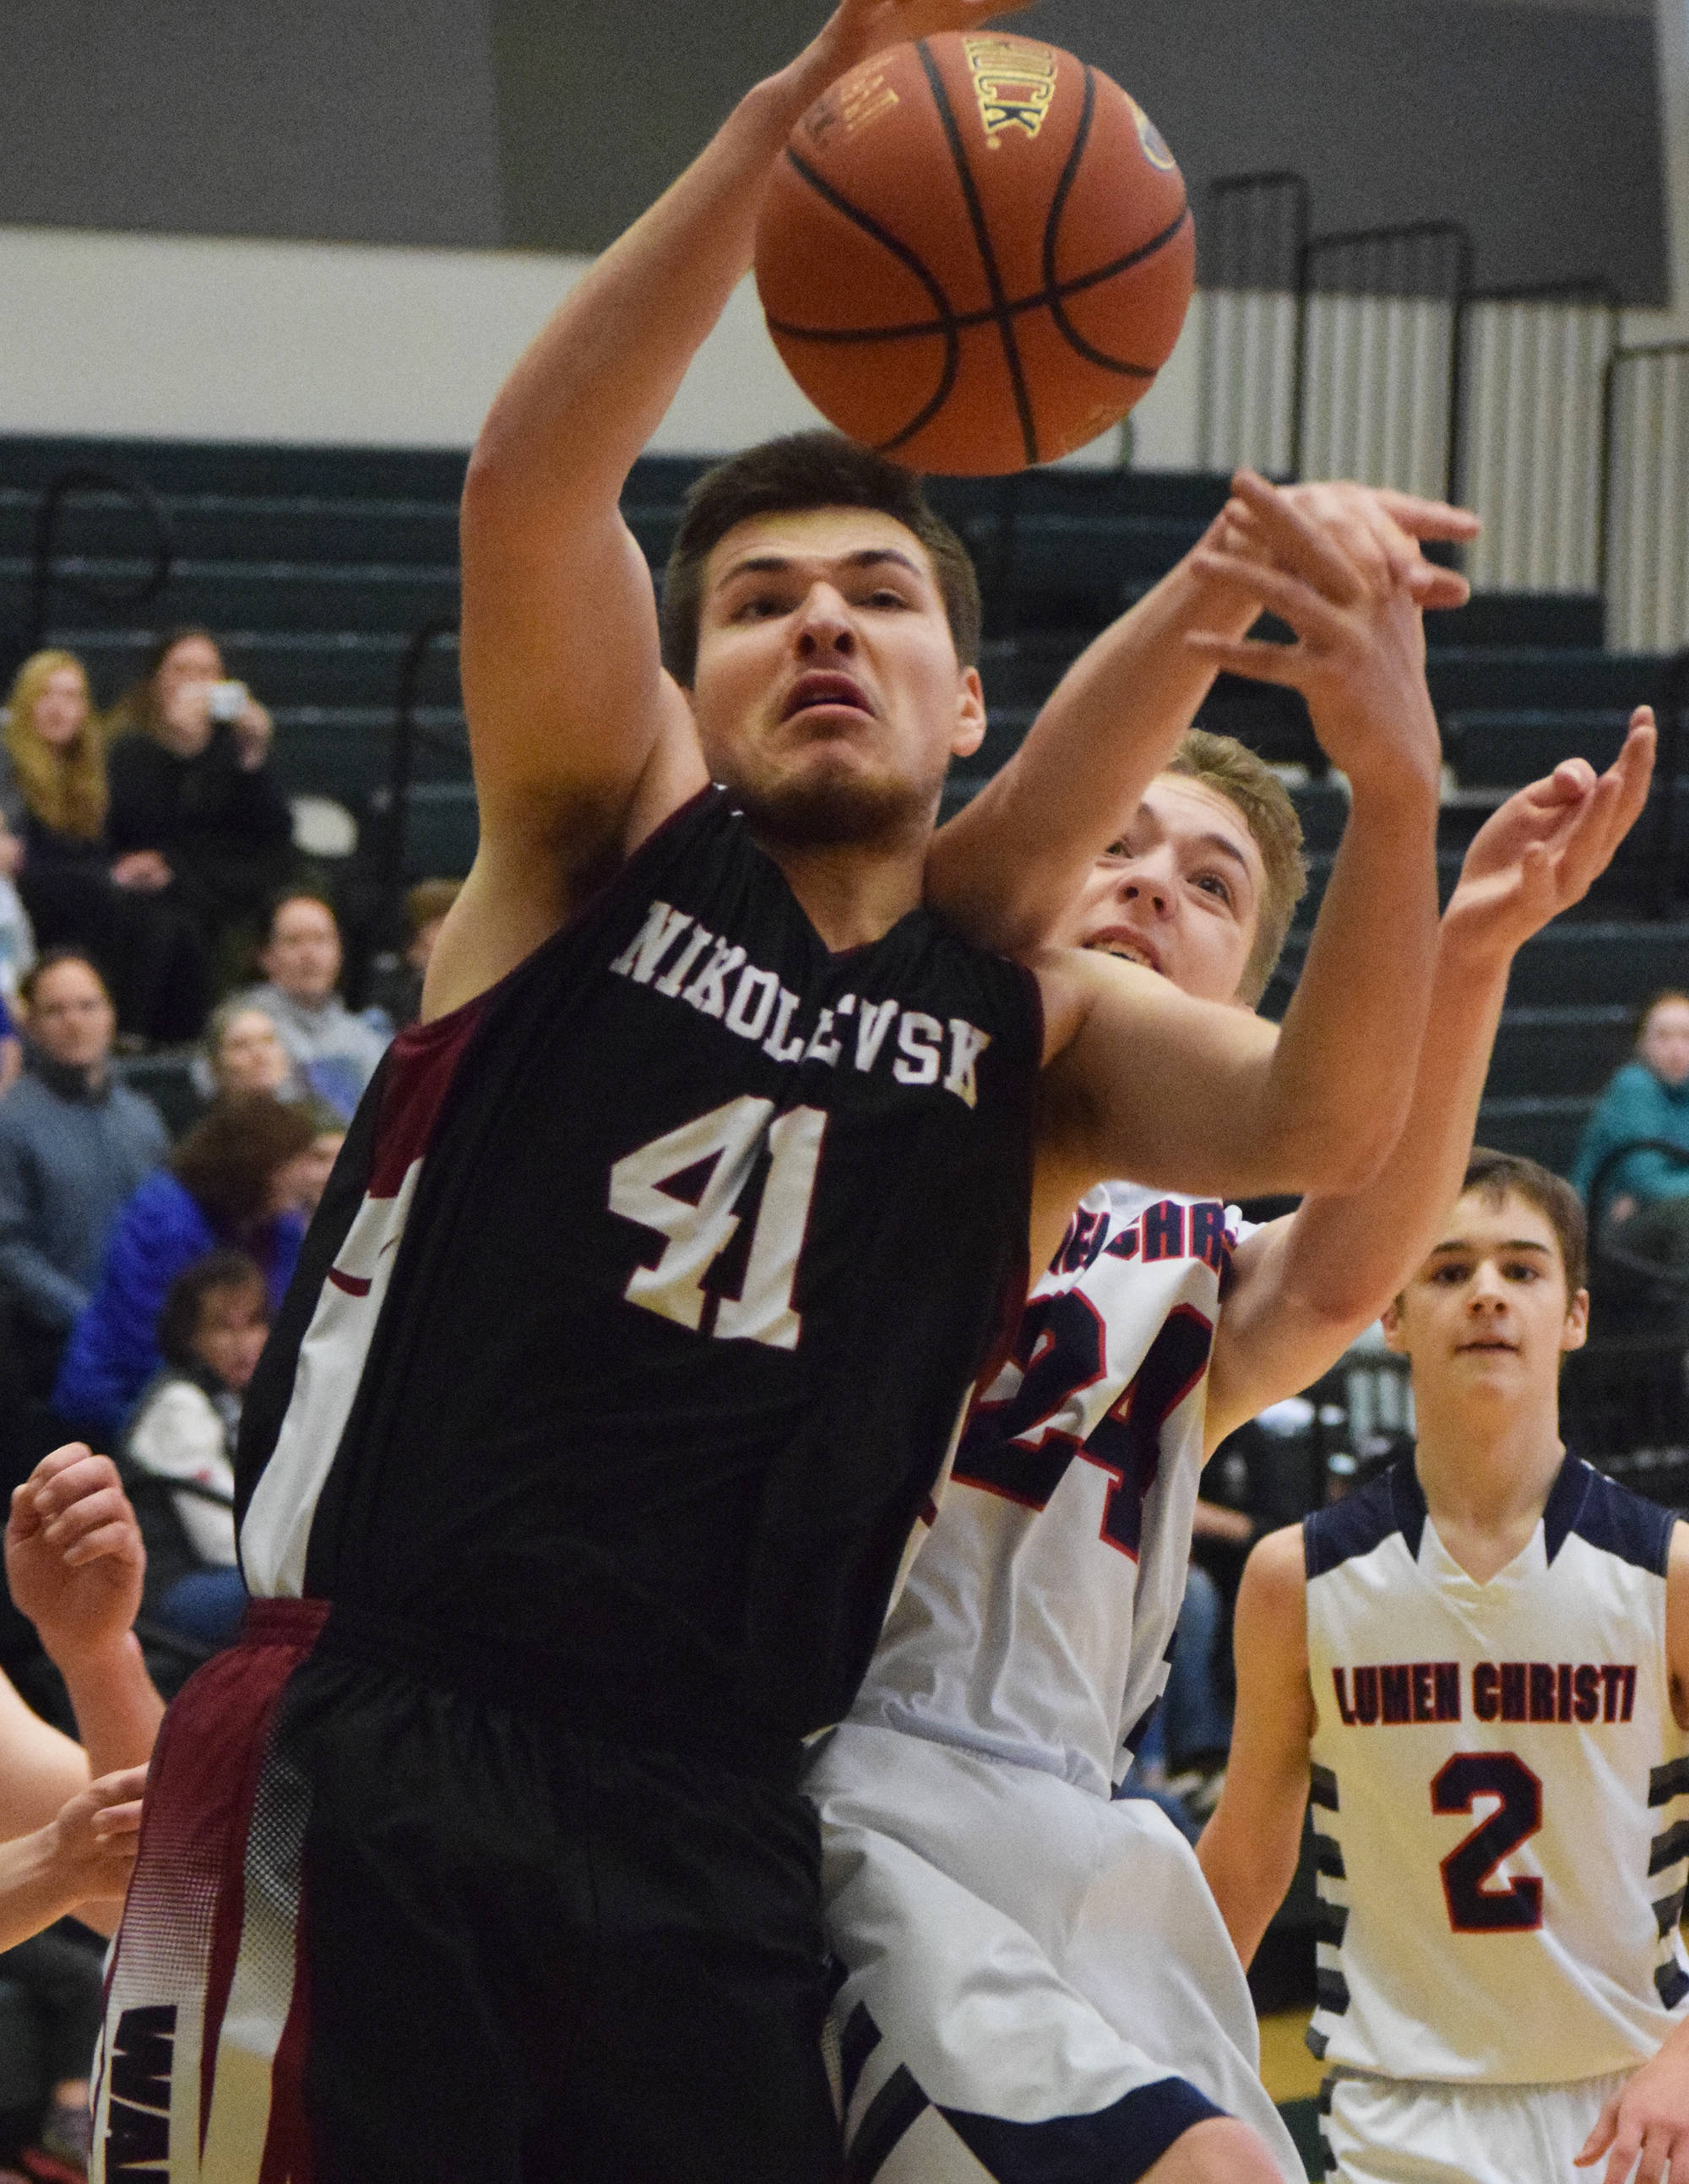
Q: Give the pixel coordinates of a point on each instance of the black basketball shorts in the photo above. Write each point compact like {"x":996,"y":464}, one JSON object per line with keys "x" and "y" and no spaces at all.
{"x":383,"y":1931}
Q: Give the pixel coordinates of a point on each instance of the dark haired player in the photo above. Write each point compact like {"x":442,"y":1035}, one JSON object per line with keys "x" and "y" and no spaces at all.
{"x":1481,"y":1662}
{"x":633,"y":1332}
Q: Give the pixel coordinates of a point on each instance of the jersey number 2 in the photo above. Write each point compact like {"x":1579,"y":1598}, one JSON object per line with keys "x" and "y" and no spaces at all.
{"x":690,"y":1184}
{"x":1473,"y":1909}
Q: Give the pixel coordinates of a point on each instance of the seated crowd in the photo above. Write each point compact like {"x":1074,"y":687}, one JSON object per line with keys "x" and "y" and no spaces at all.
{"x":149,"y":899}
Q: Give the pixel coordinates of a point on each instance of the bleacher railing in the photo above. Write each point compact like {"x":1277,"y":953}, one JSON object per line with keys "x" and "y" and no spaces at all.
{"x":1378,"y":392}
{"x":1252,"y":242}
{"x":48,"y":573}
{"x":1374,"y":355}
{"x":1530,"y":407}
{"x":392,"y":799}
{"x":1644,"y":553}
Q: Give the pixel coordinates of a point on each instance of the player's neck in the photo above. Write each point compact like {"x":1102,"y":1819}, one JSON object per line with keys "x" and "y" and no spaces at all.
{"x":853,"y":893}
{"x":1486,"y":1465}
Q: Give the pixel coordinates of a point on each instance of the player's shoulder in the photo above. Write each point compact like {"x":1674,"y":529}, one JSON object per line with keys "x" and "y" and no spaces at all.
{"x":1585,"y":1504}
{"x":1359,"y":1523}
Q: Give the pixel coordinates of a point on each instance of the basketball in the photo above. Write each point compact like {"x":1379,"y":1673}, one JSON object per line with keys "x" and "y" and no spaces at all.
{"x":976,"y":252}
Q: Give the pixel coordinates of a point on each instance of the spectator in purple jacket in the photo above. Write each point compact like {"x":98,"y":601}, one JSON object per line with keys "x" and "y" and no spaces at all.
{"x":236,"y":1180}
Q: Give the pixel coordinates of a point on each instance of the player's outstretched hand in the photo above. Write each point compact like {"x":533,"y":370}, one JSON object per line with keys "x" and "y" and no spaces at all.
{"x":74,"y":1557}
{"x":1545,"y":848}
{"x":1380,"y":529}
{"x":858,"y":28}
{"x":1359,"y":654}
{"x":1645,"y":2126}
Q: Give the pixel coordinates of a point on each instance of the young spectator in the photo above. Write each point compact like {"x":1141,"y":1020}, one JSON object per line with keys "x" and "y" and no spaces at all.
{"x":335,"y":1051}
{"x":1645,"y":1198}
{"x":78,"y":894}
{"x":74,"y":1141}
{"x":70,"y":1813}
{"x":396,"y":986}
{"x":192,"y":784}
{"x":210,"y":1333}
{"x":236,"y":1178}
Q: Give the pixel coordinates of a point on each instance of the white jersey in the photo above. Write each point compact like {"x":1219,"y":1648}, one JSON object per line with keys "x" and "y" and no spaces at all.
{"x":1500,"y":1791}
{"x":1037,"y":1619}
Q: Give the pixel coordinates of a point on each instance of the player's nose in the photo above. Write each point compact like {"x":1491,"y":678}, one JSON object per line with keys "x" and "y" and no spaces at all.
{"x":1143,"y":882}
{"x":825,"y":623}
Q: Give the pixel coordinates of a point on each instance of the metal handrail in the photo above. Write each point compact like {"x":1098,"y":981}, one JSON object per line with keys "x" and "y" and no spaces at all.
{"x":95,"y":478}
{"x":406,"y":734}
{"x":1417,"y":230}
{"x":1608,"y":381}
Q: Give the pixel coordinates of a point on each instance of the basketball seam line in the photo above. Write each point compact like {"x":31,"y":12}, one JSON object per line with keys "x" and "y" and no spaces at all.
{"x":988,"y":256}
{"x":1070,"y":333}
{"x":960,"y":321}
{"x":946,"y":324}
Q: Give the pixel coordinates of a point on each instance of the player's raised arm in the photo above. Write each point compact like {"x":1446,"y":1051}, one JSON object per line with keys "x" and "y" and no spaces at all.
{"x":1248,"y":1851}
{"x":1143,"y":1081}
{"x":1010,"y":860}
{"x":1304,"y":1287}
{"x":580,"y":743}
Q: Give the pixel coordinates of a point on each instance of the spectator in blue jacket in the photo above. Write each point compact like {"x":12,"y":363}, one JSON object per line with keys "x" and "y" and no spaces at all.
{"x":74,"y":1143}
{"x":236,"y":1181}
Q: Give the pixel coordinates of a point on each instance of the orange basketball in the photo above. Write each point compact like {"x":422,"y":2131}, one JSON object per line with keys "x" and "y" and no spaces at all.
{"x":975,"y":254}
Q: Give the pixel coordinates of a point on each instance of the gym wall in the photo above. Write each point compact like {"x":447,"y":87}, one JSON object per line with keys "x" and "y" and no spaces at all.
{"x":339,"y":220}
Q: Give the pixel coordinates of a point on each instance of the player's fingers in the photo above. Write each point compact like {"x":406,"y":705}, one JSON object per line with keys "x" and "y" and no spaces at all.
{"x":1601,"y":2137}
{"x":1438,"y":589}
{"x":74,"y":1482}
{"x":112,"y":1822}
{"x":120,"y":1785}
{"x":1427,"y":519}
{"x":1307,"y":610}
{"x":1298,"y":544}
{"x":106,"y":1505}
{"x":1260,"y":661}
{"x":115,"y":1542}
{"x":58,"y":1460}
{"x":1656,"y":2153}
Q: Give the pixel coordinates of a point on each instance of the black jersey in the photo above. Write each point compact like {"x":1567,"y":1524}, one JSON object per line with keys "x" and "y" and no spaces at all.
{"x":634,"y":1326}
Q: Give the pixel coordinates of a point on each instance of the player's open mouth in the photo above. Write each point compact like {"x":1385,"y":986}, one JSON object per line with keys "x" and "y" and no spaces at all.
{"x":811,"y":692}
{"x":1115,"y":940}
{"x":1488,"y":1348}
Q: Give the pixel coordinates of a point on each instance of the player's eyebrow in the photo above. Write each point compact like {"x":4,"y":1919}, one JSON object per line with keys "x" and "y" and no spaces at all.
{"x":862,"y":557}
{"x":1227,"y":848}
{"x":1516,"y":1244}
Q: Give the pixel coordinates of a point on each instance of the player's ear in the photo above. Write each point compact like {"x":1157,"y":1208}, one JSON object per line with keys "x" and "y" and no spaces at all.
{"x":1576,"y":1331}
{"x":970,"y":715}
{"x":1390,"y":1319}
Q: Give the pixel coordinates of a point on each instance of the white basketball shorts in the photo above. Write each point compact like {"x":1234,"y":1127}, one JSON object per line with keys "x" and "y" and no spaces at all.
{"x":1408,"y":2131}
{"x":1037,"y":1981}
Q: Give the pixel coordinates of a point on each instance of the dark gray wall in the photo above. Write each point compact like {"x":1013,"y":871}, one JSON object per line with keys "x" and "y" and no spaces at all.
{"x":341,"y":120}
{"x":1538,"y":125}
{"x":548,"y":124}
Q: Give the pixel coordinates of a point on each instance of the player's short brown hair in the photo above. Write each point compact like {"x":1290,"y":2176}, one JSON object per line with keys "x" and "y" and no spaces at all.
{"x":1233,"y":770}
{"x":1494,"y":1174}
{"x":800,"y":470}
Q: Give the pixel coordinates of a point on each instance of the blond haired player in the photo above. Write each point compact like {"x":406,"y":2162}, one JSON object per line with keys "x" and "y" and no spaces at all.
{"x":1036,"y":1981}
{"x":1480,"y":1662}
